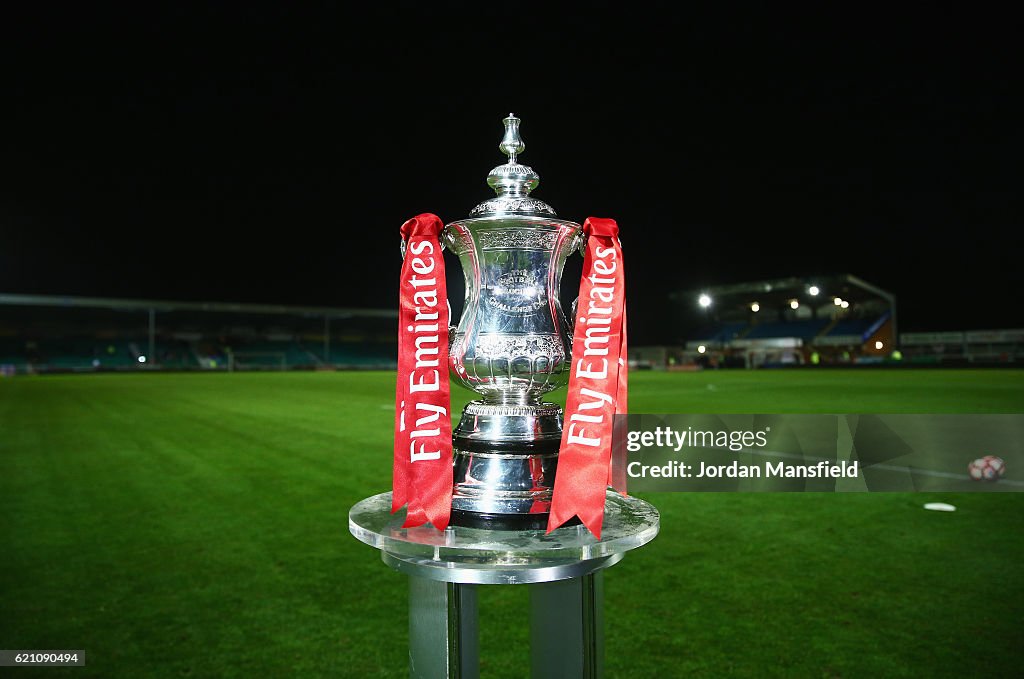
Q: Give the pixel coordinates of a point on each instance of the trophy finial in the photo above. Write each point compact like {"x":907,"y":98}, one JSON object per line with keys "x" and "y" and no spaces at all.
{"x":512,"y":181}
{"x":512,"y":145}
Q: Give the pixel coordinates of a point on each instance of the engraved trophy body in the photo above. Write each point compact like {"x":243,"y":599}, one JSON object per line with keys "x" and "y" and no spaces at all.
{"x":512,"y":345}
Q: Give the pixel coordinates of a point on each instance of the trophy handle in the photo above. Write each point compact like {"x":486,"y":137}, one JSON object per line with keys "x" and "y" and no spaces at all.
{"x":451,"y":328}
{"x":582,"y":249}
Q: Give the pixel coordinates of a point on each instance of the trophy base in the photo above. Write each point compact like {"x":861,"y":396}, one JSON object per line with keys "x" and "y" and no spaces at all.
{"x":504,"y":459}
{"x":488,"y":521}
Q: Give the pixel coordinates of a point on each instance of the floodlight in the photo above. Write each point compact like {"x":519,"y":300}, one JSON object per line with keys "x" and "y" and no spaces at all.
{"x":878,"y":344}
{"x":701,"y":349}
{"x":142,"y":359}
{"x":813,"y":290}
{"x":844,"y":304}
{"x":837,"y":301}
{"x":793,"y":304}
{"x":755,"y":307}
{"x":704,"y":301}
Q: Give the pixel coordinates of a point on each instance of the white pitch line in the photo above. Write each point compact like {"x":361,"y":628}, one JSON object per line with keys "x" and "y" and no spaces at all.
{"x":886,"y":467}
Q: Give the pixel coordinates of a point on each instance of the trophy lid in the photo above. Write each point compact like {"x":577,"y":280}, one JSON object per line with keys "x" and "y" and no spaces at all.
{"x":512,"y":182}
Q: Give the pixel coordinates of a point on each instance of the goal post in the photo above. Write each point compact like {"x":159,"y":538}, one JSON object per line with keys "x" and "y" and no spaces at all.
{"x":257,"y":360}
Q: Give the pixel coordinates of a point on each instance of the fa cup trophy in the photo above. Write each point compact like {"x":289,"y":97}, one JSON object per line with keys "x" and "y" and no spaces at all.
{"x":512,"y":346}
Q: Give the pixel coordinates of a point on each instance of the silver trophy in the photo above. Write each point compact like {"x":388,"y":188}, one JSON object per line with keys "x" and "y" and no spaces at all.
{"x":512,"y":345}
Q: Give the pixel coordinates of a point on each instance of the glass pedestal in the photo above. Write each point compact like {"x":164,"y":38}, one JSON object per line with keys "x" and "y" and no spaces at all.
{"x":563,"y":570}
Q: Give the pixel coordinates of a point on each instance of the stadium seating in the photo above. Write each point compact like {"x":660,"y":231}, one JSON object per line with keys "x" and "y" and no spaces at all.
{"x":364,"y":355}
{"x":804,"y":329}
{"x":721,"y":333}
{"x":851,"y":326}
{"x":862,"y":327}
{"x":12,"y":351}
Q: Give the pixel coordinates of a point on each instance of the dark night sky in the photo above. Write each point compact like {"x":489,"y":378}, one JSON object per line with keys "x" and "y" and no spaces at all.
{"x":263,"y":153}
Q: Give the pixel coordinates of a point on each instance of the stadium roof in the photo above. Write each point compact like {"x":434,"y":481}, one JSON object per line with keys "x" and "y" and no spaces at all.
{"x":166,"y":305}
{"x":781,"y":290}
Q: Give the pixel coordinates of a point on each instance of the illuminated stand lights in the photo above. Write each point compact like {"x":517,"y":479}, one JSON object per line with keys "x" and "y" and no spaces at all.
{"x":864,"y":316}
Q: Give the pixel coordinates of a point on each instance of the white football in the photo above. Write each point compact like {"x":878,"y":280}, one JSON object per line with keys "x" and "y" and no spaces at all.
{"x":988,"y":468}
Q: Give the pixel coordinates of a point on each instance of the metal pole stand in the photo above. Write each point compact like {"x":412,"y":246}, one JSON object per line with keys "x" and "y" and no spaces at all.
{"x":563,"y":570}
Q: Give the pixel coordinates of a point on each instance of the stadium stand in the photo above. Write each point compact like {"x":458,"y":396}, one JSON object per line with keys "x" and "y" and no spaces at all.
{"x":66,"y":334}
{"x":787,"y":321}
{"x":822,"y":320}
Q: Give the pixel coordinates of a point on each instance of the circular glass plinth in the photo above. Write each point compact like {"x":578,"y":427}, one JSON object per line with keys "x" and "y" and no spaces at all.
{"x":488,"y":556}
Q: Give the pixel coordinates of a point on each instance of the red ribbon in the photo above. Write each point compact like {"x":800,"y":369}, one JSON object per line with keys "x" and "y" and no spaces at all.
{"x":597,"y":383}
{"x":423,"y":425}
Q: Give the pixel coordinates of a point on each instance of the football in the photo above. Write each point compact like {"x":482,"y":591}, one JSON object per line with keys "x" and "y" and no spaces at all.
{"x":988,"y":468}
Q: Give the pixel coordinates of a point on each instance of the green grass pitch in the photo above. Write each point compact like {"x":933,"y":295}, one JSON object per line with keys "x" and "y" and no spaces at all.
{"x":195,"y":525}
